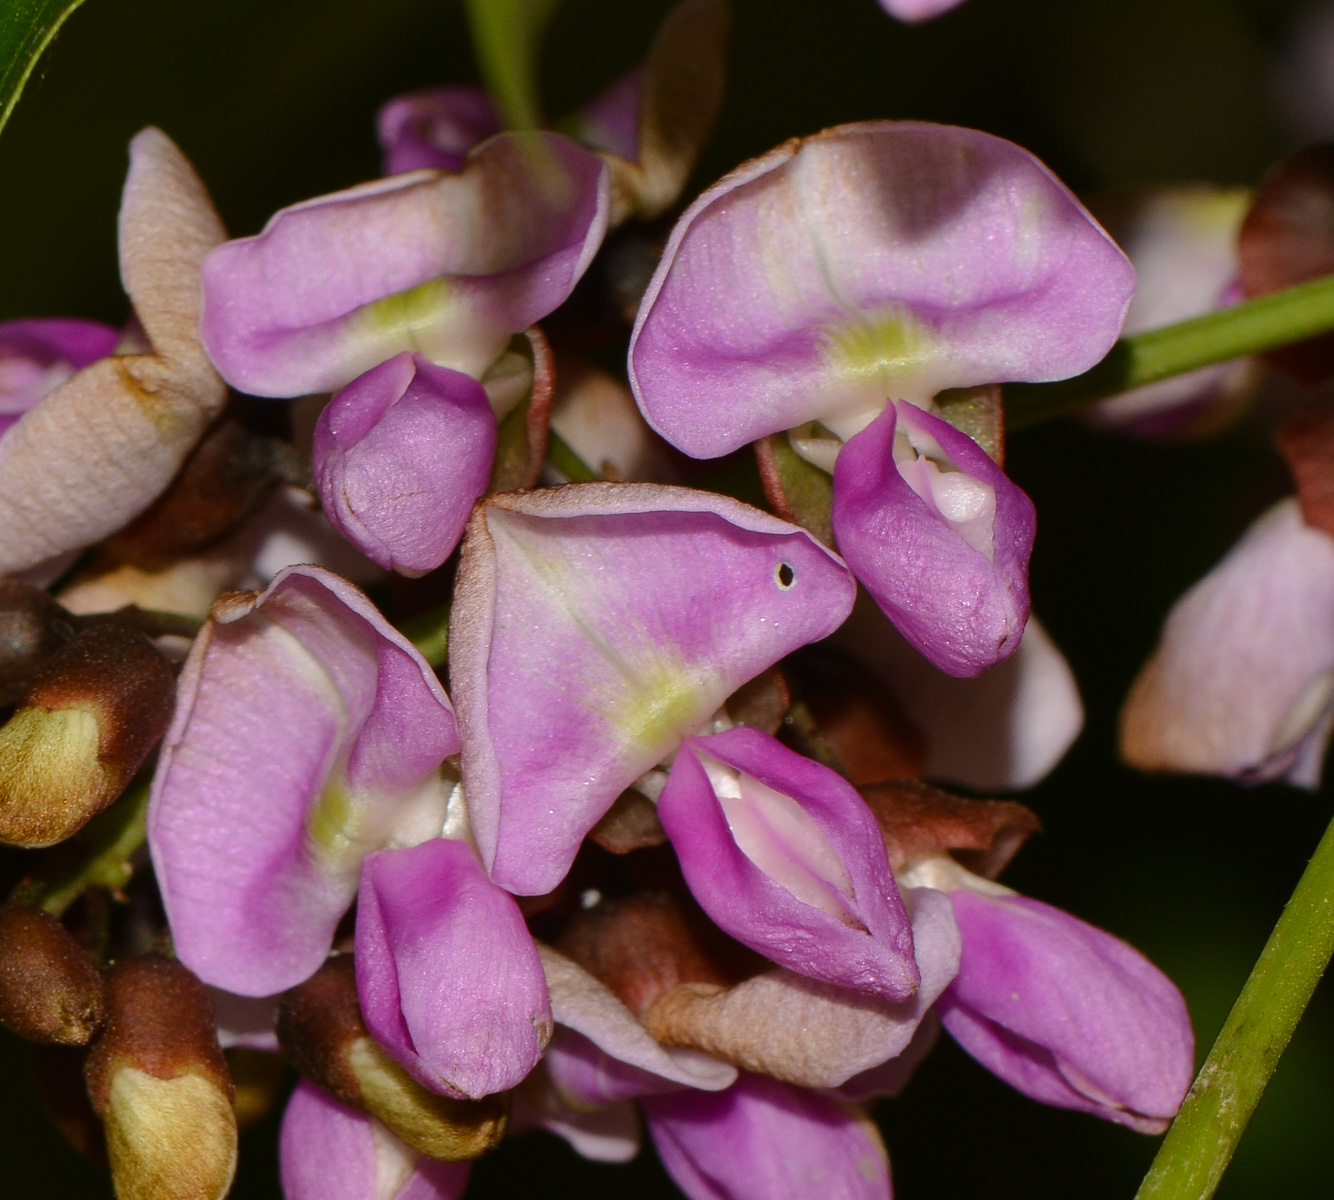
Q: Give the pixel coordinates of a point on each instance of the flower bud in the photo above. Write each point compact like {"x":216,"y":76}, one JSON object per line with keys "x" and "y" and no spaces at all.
{"x":84,"y":728}
{"x":158,"y":1079}
{"x":32,"y":628}
{"x":321,"y":1029}
{"x":50,"y":988}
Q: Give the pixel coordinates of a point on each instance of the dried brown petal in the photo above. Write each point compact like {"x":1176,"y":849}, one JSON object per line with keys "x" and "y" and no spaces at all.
{"x":921,"y":821}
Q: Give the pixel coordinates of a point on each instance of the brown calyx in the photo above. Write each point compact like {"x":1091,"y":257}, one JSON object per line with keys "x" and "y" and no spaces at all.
{"x":318,"y":1021}
{"x":1306,"y":441}
{"x":159,"y":1020}
{"x":33,"y":627}
{"x":50,"y":989}
{"x":920,"y":821}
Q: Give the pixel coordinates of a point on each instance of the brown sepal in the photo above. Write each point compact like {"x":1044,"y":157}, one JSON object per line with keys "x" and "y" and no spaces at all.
{"x":521,"y":440}
{"x":50,"y":989}
{"x":644,"y":945}
{"x":630,"y":824}
{"x":918,"y":820}
{"x":1306,"y":440}
{"x":797,"y":491}
{"x":317,"y":1023}
{"x":159,"y":1021}
{"x":228,"y":477}
{"x":850,"y":721}
{"x":33,"y":626}
{"x":1287,"y":238}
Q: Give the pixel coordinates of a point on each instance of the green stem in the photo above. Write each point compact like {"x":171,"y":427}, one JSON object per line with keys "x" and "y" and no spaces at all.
{"x":429,"y":632}
{"x":1201,"y":1142}
{"x":1292,"y":315}
{"x":561,"y":456}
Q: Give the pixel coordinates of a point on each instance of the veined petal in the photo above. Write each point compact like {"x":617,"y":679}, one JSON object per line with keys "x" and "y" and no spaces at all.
{"x":1066,"y":1013}
{"x":400,"y":456}
{"x":596,"y":625}
{"x":802,"y":1030}
{"x":448,"y":976}
{"x":434,"y":128}
{"x":307,"y":730}
{"x":448,"y":265}
{"x":964,"y":608}
{"x":765,"y":1140}
{"x":328,"y":1151}
{"x":785,"y":857}
{"x":100,"y":448}
{"x":1242,"y":680}
{"x":885,"y":259}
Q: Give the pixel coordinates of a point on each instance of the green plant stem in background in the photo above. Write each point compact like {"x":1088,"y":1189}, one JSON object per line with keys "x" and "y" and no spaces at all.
{"x":26,"y":29}
{"x":1197,"y":1149}
{"x":429,"y":632}
{"x":562,"y":456}
{"x":506,"y":35}
{"x":1292,"y":315}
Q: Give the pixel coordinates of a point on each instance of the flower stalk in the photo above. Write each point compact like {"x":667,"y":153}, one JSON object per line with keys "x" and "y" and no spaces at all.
{"x":1200,"y":1144}
{"x":1252,"y":327}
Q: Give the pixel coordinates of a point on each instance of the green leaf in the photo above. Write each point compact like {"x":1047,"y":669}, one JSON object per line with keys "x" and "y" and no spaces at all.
{"x":506,"y":35}
{"x":27,"y":27}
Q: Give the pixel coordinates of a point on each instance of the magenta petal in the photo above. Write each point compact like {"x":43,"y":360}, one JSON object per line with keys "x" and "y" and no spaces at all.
{"x":450,"y":265}
{"x":872,"y":261}
{"x":37,"y":356}
{"x":962,"y":609}
{"x":588,"y":1075}
{"x":307,"y":730}
{"x":329,"y":1152}
{"x":918,"y":10}
{"x":765,"y":1140}
{"x":809,"y":886}
{"x":596,"y":625}
{"x":449,"y":979}
{"x":400,"y":456}
{"x":610,"y":121}
{"x":1068,"y":1014}
{"x":434,"y":128}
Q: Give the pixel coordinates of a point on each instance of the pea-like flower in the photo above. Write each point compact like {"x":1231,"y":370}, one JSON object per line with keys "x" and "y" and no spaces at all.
{"x":846,"y":280}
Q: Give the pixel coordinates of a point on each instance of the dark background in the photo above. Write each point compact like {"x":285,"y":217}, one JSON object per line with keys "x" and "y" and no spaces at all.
{"x":273,"y":100}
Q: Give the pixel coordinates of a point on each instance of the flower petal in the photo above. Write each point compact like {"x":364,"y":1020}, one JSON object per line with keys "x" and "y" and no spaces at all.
{"x":1242,"y":681}
{"x":1068,"y":1014}
{"x":871,"y":261}
{"x":37,"y":356}
{"x":808,"y":1032}
{"x":963,"y":608}
{"x":762,"y":1138}
{"x":434,"y":128}
{"x":450,"y":265}
{"x":306,"y":731}
{"x":792,"y":865}
{"x":449,"y":979}
{"x":596,"y":625}
{"x":400,"y":456}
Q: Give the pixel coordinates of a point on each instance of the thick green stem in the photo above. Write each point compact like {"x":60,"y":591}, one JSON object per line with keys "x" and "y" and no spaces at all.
{"x":1201,"y":1142}
{"x":1253,"y":327}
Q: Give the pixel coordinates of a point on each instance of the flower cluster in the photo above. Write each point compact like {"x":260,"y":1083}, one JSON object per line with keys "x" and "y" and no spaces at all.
{"x":625,"y":816}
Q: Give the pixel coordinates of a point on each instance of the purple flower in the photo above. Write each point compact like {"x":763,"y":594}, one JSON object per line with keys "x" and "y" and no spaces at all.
{"x":449,"y":979}
{"x":1242,"y":680}
{"x":329,"y":1152}
{"x":785,"y":857}
{"x":918,"y":10}
{"x":307,"y":733}
{"x":870,"y":264}
{"x":765,"y":1140}
{"x":37,"y":356}
{"x":594,"y":626}
{"x":434,"y":128}
{"x":400,"y":456}
{"x":1064,"y":1012}
{"x":449,"y":265}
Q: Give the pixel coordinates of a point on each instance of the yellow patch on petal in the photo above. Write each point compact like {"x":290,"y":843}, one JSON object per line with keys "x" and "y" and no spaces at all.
{"x":408,"y":318}
{"x":886,"y":346}
{"x":658,"y":708}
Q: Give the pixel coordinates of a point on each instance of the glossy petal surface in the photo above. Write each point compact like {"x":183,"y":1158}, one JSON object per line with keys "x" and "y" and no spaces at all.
{"x":886,"y":260}
{"x":449,"y":979}
{"x":401,"y":454}
{"x":307,"y":730}
{"x":1068,"y":1014}
{"x":596,"y":625}
{"x":792,"y":865}
{"x":448,"y":265}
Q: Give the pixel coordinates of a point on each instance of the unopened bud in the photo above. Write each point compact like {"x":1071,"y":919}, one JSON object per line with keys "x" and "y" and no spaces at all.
{"x":157,"y":1077}
{"x":322,"y":1031}
{"x":84,"y":728}
{"x":50,"y":988}
{"x":33,"y":627}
